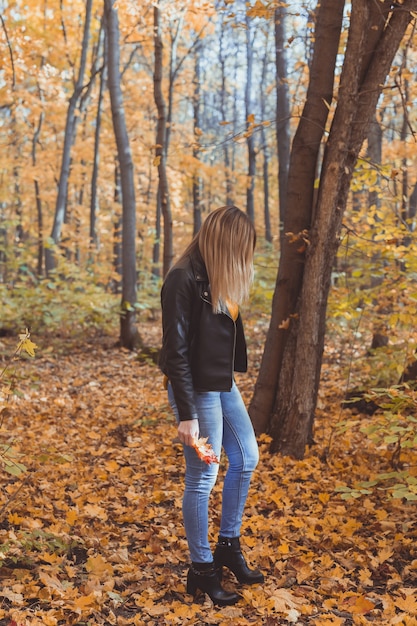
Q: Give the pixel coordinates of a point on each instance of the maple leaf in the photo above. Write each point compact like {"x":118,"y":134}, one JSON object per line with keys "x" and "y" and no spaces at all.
{"x":358,"y":604}
{"x":205,"y":451}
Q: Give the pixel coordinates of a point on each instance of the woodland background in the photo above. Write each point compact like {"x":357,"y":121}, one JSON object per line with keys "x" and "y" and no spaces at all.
{"x":91,"y":476}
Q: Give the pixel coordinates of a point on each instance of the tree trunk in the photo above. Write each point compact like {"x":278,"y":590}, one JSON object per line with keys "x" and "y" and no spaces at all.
{"x":160,"y":151}
{"x":94,"y":242}
{"x":69,"y":138}
{"x":363,"y":75}
{"x":196,"y":146}
{"x":374,"y":153}
{"x":404,"y":130}
{"x":264,"y":144}
{"x":302,"y":174}
{"x":38,"y":200}
{"x":250,"y":139}
{"x":265,"y":169}
{"x":282,"y":113}
{"x":229,"y":200}
{"x":117,"y":236}
{"x":156,"y":272}
{"x":412,"y":211}
{"x":129,"y":336}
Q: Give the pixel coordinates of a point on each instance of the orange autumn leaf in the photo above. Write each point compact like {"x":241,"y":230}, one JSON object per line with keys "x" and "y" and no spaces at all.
{"x":205,"y":451}
{"x":98,"y":566}
{"x":407,"y":602}
{"x":81,"y":603}
{"x":358,"y":605}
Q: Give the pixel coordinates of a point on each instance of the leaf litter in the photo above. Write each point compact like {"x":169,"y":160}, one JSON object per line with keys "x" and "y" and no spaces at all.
{"x":92,"y":533}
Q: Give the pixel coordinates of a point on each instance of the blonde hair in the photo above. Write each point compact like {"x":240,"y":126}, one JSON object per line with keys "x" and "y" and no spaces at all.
{"x":226,"y":242}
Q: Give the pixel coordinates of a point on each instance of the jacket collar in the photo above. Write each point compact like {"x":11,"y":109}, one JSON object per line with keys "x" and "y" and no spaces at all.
{"x":198,"y":266}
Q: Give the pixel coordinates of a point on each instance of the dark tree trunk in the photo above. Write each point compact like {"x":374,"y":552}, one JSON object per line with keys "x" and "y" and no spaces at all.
{"x":302,"y":173}
{"x":412,"y":211}
{"x":129,"y":336}
{"x":156,"y":272}
{"x":303,"y":325}
{"x":374,"y":153}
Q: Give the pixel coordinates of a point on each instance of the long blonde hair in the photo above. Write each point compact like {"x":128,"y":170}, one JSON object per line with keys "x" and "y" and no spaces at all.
{"x":226,"y":242}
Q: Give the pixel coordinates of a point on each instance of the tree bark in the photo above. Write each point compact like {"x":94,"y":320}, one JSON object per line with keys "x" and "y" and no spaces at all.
{"x":129,"y":336}
{"x":69,"y":138}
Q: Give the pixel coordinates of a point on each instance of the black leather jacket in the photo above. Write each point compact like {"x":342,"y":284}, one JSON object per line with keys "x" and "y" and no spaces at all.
{"x":200,"y":349}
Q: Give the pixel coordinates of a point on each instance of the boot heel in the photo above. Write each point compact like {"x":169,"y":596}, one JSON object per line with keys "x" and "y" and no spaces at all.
{"x":191,"y":584}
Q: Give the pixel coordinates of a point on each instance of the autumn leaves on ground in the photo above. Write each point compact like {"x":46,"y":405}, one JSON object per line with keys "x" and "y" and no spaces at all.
{"x":91,"y":533}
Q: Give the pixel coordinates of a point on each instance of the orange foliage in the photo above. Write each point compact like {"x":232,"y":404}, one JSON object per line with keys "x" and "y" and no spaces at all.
{"x":205,"y":451}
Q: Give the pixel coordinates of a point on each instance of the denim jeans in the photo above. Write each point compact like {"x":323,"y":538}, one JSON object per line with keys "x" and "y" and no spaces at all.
{"x":223,"y":418}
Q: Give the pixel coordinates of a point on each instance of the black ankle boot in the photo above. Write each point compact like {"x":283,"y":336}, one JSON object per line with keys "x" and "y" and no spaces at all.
{"x":229,"y":554}
{"x":205,"y":577}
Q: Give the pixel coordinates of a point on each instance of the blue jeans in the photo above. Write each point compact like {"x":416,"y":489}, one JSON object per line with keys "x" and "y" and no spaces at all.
{"x":223,"y":418}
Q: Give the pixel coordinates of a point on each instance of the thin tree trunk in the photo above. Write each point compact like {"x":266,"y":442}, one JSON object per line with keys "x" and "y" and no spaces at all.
{"x":283,"y":113}
{"x":94,"y":241}
{"x":265,"y":167}
{"x":196,"y":146}
{"x":69,"y":138}
{"x":250,"y":139}
{"x":117,"y":235}
{"x":129,"y":336}
{"x":157,"y":241}
{"x":38,"y":199}
{"x":374,"y":153}
{"x":223,"y":110}
{"x":160,"y":151}
{"x":264,"y":144}
{"x":404,"y":164}
{"x":412,"y":211}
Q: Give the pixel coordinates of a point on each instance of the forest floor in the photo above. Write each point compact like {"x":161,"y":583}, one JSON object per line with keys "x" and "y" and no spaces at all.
{"x":91,"y":534}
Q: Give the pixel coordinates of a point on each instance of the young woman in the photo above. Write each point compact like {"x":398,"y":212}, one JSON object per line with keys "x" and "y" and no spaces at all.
{"x":203,"y":344}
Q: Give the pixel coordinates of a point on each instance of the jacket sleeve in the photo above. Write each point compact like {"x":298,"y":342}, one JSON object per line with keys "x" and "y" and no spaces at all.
{"x":177,"y":297}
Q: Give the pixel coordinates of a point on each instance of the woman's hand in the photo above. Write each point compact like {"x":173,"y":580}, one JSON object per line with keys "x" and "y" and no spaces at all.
{"x":188,"y":431}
